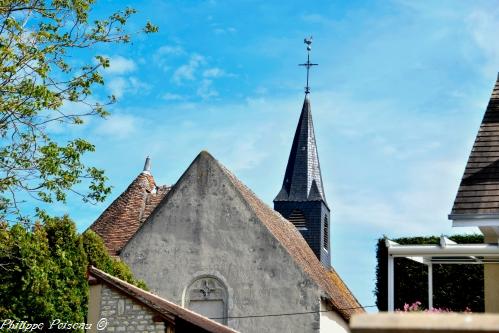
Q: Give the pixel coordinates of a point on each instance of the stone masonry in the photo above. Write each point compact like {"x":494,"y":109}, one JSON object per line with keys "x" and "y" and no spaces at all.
{"x":125,"y":315}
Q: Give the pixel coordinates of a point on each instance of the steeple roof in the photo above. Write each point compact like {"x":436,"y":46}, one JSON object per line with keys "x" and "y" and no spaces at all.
{"x":303,"y":179}
{"x":479,"y":189}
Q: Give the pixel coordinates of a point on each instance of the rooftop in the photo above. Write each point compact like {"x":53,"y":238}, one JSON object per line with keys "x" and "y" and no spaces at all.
{"x":478,"y":192}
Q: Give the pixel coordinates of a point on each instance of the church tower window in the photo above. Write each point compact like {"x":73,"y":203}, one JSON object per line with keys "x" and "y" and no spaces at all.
{"x":326,"y":233}
{"x":298,"y":219}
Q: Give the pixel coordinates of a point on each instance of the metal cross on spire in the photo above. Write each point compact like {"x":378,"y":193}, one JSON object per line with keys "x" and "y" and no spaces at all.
{"x":308,"y":64}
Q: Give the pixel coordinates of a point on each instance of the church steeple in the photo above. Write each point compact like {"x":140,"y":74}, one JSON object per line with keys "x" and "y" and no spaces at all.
{"x":301,"y":199}
{"x":303,"y":179}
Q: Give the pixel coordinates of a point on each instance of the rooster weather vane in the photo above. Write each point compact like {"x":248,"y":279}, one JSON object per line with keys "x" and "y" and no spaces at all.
{"x":308,"y":64}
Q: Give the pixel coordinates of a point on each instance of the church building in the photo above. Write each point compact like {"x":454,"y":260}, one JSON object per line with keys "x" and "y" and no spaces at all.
{"x":209,"y":244}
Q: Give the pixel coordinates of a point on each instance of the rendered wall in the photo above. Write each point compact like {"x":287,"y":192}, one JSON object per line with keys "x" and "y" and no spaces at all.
{"x":331,"y":322}
{"x":491,"y":282}
{"x":94,"y":303}
{"x":205,"y":228}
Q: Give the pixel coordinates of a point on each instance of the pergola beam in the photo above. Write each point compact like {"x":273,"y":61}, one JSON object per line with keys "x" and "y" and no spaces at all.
{"x":455,"y":250}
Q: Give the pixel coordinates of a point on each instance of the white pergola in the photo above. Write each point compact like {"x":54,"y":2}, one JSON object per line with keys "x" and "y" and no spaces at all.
{"x":447,"y":252}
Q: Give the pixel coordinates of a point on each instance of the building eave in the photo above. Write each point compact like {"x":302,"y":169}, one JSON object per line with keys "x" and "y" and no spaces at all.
{"x":474,"y":220}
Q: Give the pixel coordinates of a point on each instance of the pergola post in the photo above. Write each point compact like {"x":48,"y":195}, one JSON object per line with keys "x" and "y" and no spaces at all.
{"x":391,"y":288}
{"x":430,"y":286}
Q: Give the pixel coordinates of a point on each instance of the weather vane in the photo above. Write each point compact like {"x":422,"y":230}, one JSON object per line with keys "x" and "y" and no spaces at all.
{"x":308,"y":64}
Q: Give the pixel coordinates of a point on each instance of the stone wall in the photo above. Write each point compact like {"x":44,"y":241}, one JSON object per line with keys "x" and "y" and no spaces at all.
{"x":125,"y":315}
{"x":490,"y":278}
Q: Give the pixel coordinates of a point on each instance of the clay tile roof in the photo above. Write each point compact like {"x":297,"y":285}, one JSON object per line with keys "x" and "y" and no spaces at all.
{"x":479,"y":189}
{"x":121,"y":220}
{"x":158,"y":304}
{"x":284,"y":231}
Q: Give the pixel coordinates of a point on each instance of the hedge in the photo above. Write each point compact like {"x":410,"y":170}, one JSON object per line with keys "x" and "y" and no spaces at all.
{"x":455,"y":287}
{"x":43,"y":270}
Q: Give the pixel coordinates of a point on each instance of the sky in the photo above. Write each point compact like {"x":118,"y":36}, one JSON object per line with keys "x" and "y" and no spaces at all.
{"x":397,"y":99}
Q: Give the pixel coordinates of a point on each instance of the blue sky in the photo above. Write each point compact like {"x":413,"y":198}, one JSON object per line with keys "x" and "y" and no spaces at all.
{"x":397,"y":99}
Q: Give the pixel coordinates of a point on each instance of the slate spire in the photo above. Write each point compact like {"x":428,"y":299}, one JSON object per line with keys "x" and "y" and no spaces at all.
{"x":303,"y":179}
{"x":301,"y":199}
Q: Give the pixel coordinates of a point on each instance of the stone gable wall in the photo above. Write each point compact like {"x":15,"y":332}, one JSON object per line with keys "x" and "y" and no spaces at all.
{"x":204,"y":228}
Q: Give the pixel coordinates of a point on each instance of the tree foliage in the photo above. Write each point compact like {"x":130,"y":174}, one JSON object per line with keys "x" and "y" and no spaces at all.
{"x":43,"y":270}
{"x":41,"y":87}
{"x":98,"y":257}
{"x":456,"y":287}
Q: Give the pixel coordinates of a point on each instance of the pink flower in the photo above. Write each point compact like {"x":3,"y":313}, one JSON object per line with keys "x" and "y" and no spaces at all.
{"x":416,"y":306}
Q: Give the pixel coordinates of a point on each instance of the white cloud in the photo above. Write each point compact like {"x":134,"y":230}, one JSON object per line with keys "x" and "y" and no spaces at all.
{"x":260,"y":90}
{"x":119,"y":86}
{"x":484,"y":25}
{"x":137,"y":85}
{"x":172,"y":97}
{"x":163,"y":55}
{"x":222,"y":31}
{"x":188,"y":71}
{"x":214,"y":72}
{"x":120,"y":65}
{"x":170,"y":50}
{"x":206,"y":89}
{"x":118,"y":126}
{"x":245,"y":152}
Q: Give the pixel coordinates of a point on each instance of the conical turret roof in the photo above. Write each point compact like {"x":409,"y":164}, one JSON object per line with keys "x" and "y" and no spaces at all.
{"x":119,"y":222}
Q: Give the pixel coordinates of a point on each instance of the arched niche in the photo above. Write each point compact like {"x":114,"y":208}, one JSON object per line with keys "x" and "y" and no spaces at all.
{"x":207,"y":295}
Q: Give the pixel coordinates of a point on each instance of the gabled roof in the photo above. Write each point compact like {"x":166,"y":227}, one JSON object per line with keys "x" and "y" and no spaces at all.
{"x":479,"y":189}
{"x":119,"y":222}
{"x":284,"y":231}
{"x":303,"y":179}
{"x":328,"y":280}
{"x":160,"y":305}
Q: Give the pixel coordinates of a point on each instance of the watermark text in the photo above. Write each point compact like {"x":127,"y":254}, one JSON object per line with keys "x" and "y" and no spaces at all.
{"x":7,"y":325}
